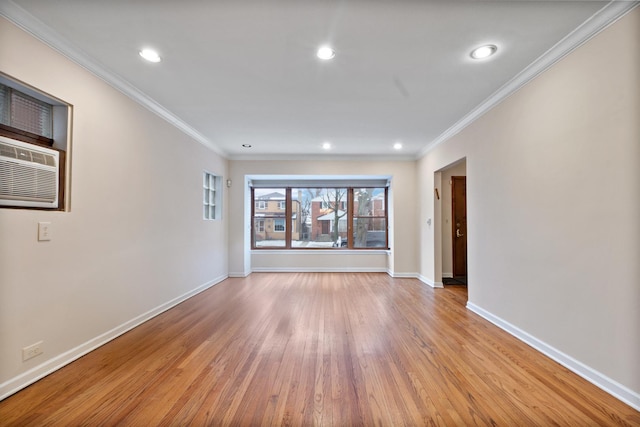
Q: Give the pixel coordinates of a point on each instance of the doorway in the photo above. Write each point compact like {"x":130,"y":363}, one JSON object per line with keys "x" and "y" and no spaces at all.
{"x":451,"y":228}
{"x":459,"y":228}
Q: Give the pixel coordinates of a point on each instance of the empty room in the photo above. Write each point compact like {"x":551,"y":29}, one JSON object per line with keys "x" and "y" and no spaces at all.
{"x":319,"y":213}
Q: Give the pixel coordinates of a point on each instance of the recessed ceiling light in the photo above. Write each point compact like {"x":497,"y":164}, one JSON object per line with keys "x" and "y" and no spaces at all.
{"x":150,"y":55}
{"x":326,"y":52}
{"x":397,"y":146}
{"x":246,"y":145}
{"x":326,"y":146}
{"x":484,"y":51}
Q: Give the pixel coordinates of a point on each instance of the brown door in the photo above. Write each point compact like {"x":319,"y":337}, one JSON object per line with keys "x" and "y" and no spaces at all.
{"x":459,"y":215}
{"x":325,"y":227}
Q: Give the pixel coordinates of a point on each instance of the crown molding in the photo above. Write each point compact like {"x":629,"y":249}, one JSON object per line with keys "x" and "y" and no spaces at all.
{"x":606,"y":16}
{"x":44,"y":33}
{"x":324,"y":157}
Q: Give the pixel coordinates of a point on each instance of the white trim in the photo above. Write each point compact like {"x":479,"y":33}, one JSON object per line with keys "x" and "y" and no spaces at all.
{"x":25,"y":379}
{"x":240,"y":275}
{"x":44,"y":33}
{"x":447,"y":275}
{"x":417,"y":276}
{"x":402,"y":275}
{"x":387,"y":157}
{"x":312,"y":181}
{"x":612,"y":387}
{"x":405,"y":276}
{"x":606,"y":16}
{"x":318,"y":270}
{"x":430,"y":282}
{"x":319,"y":251}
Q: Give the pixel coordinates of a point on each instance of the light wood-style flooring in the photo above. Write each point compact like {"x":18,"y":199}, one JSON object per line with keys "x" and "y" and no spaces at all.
{"x":316,"y":349}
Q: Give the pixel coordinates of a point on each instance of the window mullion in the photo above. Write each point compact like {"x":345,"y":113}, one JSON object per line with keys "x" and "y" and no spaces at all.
{"x":253,"y":217}
{"x":386,"y":215}
{"x":350,"y":196}
{"x":287,"y":218}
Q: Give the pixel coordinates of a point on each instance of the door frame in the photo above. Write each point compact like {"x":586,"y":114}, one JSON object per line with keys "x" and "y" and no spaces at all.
{"x":454,"y":226}
{"x":438,"y":222}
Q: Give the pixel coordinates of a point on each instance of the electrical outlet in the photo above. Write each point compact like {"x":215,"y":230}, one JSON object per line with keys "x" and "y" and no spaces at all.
{"x":32,"y":351}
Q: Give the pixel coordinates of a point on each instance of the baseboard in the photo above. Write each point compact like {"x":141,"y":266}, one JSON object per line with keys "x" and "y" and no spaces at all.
{"x":612,"y":387}
{"x":447,"y":275}
{"x":240,"y":275}
{"x":317,"y":270}
{"x":430,"y":282}
{"x":27,"y":378}
{"x":420,"y":277}
{"x":402,"y":275}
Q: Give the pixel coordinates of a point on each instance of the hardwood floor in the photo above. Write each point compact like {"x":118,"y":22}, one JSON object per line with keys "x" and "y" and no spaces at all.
{"x":316,"y":349}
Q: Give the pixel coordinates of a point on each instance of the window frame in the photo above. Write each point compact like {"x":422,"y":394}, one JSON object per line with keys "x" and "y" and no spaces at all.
{"x":9,"y":131}
{"x":60,"y":118}
{"x":268,"y":218}
{"x":212,"y":196}
{"x":355,"y":216}
{"x":348,"y":204}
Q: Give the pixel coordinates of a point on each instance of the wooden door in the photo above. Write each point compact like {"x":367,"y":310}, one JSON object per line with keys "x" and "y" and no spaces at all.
{"x":459,"y":225}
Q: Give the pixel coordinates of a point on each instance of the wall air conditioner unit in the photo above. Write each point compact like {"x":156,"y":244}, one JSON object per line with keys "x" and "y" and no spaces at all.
{"x":29,"y":175}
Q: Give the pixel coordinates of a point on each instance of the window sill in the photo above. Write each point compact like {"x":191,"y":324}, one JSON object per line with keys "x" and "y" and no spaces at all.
{"x":322,"y":251}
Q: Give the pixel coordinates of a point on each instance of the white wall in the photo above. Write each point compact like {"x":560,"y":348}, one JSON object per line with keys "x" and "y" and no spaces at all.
{"x":553,"y":192}
{"x":320,"y":260}
{"x":402,"y":216}
{"x":134,"y":240}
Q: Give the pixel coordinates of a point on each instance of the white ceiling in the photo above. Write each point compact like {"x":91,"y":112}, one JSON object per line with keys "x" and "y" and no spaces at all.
{"x":244,"y":71}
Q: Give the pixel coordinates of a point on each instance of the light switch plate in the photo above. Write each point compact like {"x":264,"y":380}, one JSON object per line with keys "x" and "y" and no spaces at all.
{"x":44,"y":231}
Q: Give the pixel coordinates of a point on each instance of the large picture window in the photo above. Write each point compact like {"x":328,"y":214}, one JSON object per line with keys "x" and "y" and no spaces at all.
{"x":330,"y":218}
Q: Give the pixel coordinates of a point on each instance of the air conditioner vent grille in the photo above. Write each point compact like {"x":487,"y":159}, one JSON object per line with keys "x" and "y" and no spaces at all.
{"x":28,"y":177}
{"x":23,"y":182}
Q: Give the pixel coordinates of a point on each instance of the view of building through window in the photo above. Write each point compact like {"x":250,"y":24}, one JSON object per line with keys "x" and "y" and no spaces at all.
{"x":320,"y":218}
{"x":269,"y":215}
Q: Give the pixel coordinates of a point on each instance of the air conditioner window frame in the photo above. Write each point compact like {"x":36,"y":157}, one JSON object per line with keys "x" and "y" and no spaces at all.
{"x":61,"y":141}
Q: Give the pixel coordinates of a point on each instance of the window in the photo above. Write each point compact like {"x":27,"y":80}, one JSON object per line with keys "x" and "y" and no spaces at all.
{"x":269,"y":220}
{"x":26,"y":116}
{"x":31,"y":119}
{"x":369,"y":218}
{"x":278,"y":224}
{"x":336,"y":217}
{"x":211,"y":196}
